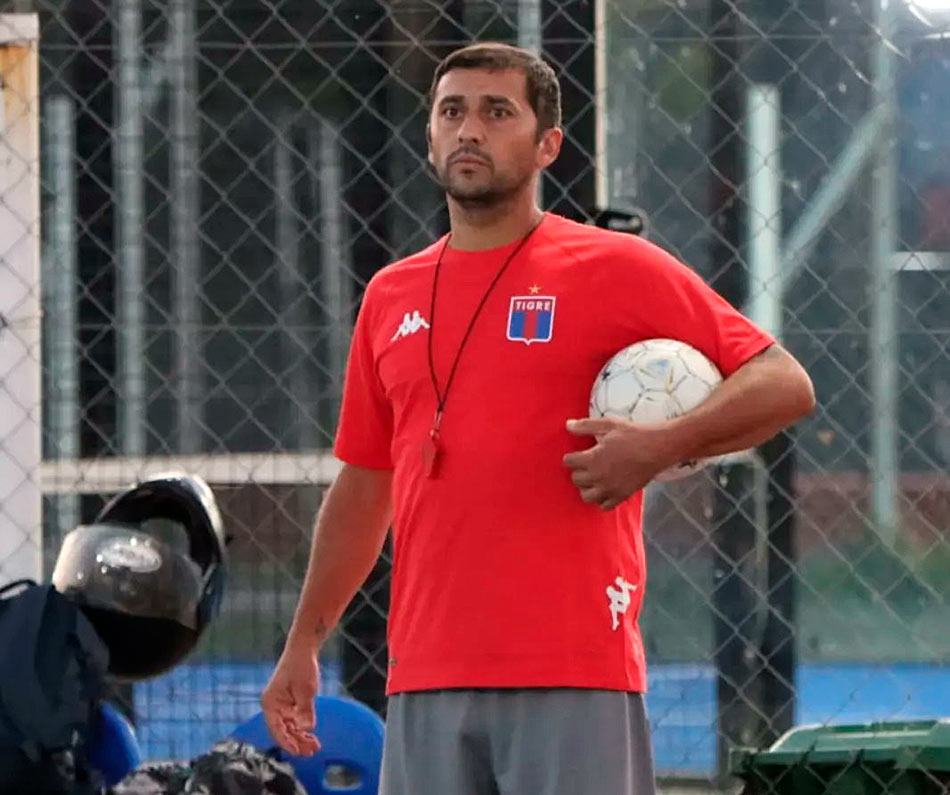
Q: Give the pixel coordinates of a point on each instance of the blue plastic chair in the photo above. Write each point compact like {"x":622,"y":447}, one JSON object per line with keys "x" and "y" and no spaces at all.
{"x":351,"y":748}
{"x":113,"y":747}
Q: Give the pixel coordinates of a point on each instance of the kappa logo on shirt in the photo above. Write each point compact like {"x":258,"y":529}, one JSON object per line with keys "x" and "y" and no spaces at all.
{"x":410,"y":325}
{"x":619,"y":599}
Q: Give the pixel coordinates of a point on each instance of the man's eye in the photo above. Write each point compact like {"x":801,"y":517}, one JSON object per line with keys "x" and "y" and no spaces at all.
{"x":450,"y":113}
{"x":500,"y":113}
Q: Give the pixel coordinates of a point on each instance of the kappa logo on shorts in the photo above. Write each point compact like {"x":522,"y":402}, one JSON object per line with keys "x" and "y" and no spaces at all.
{"x":531,"y":318}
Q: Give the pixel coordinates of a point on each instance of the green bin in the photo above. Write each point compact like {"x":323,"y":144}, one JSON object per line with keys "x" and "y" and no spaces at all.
{"x":896,"y":758}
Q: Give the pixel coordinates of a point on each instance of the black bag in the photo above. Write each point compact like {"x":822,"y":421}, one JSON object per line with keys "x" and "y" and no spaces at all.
{"x":52,"y":666}
{"x":229,"y":768}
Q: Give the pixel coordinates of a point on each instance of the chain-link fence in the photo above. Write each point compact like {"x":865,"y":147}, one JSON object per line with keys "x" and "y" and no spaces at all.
{"x":218,"y":180}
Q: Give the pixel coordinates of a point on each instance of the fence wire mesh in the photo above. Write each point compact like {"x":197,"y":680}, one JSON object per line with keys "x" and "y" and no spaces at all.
{"x":218,"y":181}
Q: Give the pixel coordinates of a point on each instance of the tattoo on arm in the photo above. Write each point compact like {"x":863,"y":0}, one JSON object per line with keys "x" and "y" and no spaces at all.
{"x":321,"y":630}
{"x":772,"y":352}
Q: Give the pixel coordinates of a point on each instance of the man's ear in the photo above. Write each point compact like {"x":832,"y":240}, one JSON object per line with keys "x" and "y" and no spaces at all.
{"x":429,"y":143}
{"x":549,"y":147}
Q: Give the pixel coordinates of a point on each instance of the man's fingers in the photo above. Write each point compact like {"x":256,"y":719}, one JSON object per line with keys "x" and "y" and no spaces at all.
{"x":592,"y":494}
{"x":303,"y":720}
{"x":582,"y":478}
{"x":303,"y":707}
{"x":287,"y":739}
{"x":307,"y":744}
{"x":304,"y":743}
{"x":576,"y":460}
{"x":294,"y":738}
{"x":275,"y":711}
{"x":592,"y":426}
{"x":311,"y":745}
{"x":280,"y":732}
{"x":290,"y":716}
{"x":600,"y":496}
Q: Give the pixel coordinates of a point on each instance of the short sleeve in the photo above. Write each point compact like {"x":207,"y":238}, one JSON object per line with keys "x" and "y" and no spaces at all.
{"x":683,"y":307}
{"x":365,"y":429}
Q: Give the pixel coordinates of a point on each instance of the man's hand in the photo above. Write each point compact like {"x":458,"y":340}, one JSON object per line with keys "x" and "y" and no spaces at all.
{"x":625,"y":458}
{"x":288,"y":699}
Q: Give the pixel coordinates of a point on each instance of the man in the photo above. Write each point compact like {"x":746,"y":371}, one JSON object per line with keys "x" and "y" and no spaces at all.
{"x":516,"y":662}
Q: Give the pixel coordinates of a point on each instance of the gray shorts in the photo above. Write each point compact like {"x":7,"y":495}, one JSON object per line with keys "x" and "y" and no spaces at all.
{"x":517,"y":742}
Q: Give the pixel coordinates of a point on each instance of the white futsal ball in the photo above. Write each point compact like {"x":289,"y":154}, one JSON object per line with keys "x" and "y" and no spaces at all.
{"x":652,"y":381}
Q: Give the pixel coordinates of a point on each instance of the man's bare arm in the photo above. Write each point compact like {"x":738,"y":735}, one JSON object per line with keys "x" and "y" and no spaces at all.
{"x":350,"y":531}
{"x":766,"y":394}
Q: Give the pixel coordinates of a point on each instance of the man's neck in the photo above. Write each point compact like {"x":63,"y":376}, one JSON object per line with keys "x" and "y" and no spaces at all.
{"x":478,"y":229}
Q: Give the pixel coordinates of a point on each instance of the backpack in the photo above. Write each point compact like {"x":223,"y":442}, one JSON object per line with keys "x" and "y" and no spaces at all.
{"x":229,"y":768}
{"x":52,"y":668}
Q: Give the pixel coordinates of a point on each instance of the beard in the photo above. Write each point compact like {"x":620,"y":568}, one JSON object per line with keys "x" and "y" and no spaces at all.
{"x":484,"y":193}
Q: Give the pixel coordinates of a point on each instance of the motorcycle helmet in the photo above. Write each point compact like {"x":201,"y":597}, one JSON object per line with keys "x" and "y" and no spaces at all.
{"x":149,"y":572}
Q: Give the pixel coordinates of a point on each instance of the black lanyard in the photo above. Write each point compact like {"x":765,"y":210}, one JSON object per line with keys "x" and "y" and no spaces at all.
{"x":431,"y":447}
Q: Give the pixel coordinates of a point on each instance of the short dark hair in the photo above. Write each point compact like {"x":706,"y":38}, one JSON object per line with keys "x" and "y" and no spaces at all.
{"x":544,"y":91}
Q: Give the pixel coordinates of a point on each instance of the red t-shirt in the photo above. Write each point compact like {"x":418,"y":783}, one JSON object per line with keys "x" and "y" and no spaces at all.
{"x":502,"y":575}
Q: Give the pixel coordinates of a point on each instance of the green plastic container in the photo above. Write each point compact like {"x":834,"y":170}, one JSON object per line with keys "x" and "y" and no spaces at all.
{"x":896,"y":758}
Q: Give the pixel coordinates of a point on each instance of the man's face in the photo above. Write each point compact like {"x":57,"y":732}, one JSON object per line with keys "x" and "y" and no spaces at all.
{"x":483,"y":140}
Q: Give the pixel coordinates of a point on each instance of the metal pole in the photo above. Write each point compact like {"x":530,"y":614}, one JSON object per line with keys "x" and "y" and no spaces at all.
{"x":529,"y":25}
{"x":569,"y":39}
{"x":130,"y":184}
{"x":601,"y":184}
{"x":185,"y":210}
{"x":771,"y":637}
{"x":337,"y":282}
{"x":884,"y":347}
{"x":764,"y":221}
{"x":21,"y":447}
{"x":60,"y":277}
{"x":529,"y":38}
{"x":624,"y":49}
{"x":415,"y":212}
{"x":733,"y":534}
{"x":830,"y":195}
{"x":297,"y":426}
{"x":155,"y":77}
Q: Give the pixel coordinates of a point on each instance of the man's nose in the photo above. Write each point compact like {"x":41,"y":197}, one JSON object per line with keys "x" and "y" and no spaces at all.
{"x":471,"y":129}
